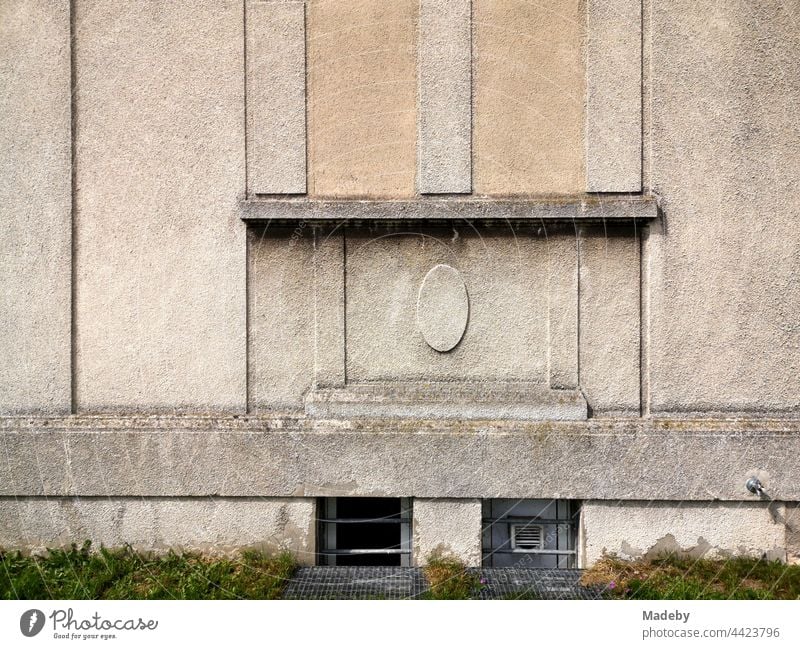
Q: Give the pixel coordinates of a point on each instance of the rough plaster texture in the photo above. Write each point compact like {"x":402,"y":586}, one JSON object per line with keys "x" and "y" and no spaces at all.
{"x":211,"y":525}
{"x":505,"y":277}
{"x":450,"y":527}
{"x":793,"y":532}
{"x":528,"y":97}
{"x":35,"y":207}
{"x":609,"y":320}
{"x":281,"y":316}
{"x":634,"y":530}
{"x":445,"y":96}
{"x":160,"y":251}
{"x":362,"y":97}
{"x":251,"y":456}
{"x":442,"y":308}
{"x":614,"y":96}
{"x":276,"y":97}
{"x":724,"y":268}
{"x":562,"y":323}
{"x":544,"y":211}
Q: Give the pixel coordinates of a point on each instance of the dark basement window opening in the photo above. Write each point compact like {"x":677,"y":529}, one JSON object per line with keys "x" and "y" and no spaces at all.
{"x":364,"y":532}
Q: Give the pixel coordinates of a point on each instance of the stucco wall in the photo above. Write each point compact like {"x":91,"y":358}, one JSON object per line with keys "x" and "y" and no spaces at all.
{"x":131,"y":285}
{"x":209,"y":525}
{"x":636,"y":530}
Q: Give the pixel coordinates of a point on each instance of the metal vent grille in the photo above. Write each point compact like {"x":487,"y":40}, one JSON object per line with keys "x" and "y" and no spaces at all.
{"x":526,"y":537}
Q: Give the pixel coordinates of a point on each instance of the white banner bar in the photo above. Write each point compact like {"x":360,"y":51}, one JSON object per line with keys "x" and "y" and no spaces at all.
{"x":405,"y":624}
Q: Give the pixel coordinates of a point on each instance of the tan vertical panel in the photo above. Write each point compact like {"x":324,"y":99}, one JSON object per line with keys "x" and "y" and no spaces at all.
{"x":276,"y":97}
{"x":445,"y":96}
{"x":35,"y":207}
{"x":614,"y":96}
{"x":362,"y":95}
{"x":528,"y":97}
{"x":562,"y":253}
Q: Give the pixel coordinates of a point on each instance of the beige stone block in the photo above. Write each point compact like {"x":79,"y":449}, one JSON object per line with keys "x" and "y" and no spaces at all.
{"x":35,"y":207}
{"x":362,"y":94}
{"x":528,"y":97}
{"x":281,"y":318}
{"x":449,"y":527}
{"x":713,"y":530}
{"x":160,"y":248}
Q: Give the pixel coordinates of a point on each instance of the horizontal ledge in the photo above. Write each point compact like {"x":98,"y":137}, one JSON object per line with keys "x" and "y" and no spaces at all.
{"x":583,"y":208}
{"x":620,"y":459}
{"x":455,"y":401}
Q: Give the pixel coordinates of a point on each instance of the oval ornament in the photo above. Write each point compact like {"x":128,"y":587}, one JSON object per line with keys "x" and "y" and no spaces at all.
{"x":442,"y":308}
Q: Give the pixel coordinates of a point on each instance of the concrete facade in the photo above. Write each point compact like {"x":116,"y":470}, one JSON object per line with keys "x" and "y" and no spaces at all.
{"x":218,"y":234}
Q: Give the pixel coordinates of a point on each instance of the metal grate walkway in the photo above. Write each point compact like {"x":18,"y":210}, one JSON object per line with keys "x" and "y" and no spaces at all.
{"x":362,"y":582}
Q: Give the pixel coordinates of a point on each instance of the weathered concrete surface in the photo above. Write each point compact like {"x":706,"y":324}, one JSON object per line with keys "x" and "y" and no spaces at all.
{"x":634,"y":530}
{"x":210,"y":525}
{"x":449,"y":527}
{"x":793,"y":532}
{"x":528,"y":97}
{"x":542,"y":210}
{"x":35,"y":207}
{"x":362,"y":97}
{"x":251,"y":456}
{"x":276,"y":97}
{"x":442,"y":308}
{"x":506,"y":278}
{"x":444,"y":58}
{"x":281,"y":317}
{"x":609,"y":320}
{"x":160,"y":251}
{"x":450,"y":400}
{"x":724,"y":271}
{"x":614,"y":96}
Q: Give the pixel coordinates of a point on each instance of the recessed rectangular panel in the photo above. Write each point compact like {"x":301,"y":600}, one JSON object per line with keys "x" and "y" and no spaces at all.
{"x":609,"y":321}
{"x":505,"y":275}
{"x":280,"y":318}
{"x":276,"y":97}
{"x":614,"y":96}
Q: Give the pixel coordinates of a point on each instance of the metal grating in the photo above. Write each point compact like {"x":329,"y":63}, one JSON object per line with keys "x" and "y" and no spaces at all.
{"x":355,"y":582}
{"x":363,"y":582}
{"x":535,"y":583}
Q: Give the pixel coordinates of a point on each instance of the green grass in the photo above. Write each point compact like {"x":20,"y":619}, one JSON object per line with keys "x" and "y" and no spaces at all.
{"x":450,"y":579}
{"x":672,"y":577}
{"x":79,"y":573}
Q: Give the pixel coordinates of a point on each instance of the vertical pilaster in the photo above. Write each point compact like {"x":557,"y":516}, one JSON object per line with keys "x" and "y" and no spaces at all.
{"x":276,"y":96}
{"x":445,"y":97}
{"x":329,"y":305}
{"x":562,"y":329}
{"x":614,"y":96}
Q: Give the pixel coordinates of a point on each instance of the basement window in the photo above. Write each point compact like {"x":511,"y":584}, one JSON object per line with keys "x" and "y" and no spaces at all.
{"x":364,"y":532}
{"x":530,"y":533}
